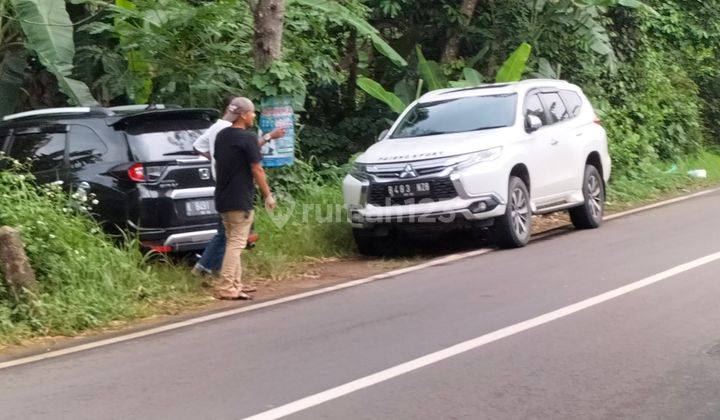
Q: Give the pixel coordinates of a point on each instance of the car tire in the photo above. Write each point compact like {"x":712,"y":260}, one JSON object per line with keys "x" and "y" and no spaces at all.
{"x":371,"y":245}
{"x":513,"y":229}
{"x":589,"y":215}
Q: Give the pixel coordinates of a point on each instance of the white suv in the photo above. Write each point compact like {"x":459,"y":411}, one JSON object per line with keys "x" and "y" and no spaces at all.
{"x":482,"y":157}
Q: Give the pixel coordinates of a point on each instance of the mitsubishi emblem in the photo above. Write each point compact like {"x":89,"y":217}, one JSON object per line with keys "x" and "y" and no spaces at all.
{"x":408,"y":172}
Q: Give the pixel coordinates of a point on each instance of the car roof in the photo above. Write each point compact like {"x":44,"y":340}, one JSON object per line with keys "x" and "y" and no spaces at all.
{"x":112,"y":115}
{"x":495,"y":89}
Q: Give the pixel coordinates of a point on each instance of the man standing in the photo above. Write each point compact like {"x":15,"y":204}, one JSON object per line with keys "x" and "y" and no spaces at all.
{"x":238,"y":162}
{"x":212,"y":257}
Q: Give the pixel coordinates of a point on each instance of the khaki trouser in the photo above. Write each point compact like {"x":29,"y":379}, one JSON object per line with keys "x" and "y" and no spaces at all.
{"x":237,"y":229}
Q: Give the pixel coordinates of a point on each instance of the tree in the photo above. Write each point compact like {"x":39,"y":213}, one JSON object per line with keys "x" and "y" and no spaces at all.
{"x":268,"y":19}
{"x":452,"y":46}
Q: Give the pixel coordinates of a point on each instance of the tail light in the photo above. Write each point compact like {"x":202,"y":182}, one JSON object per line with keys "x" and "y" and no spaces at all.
{"x":136,"y":172}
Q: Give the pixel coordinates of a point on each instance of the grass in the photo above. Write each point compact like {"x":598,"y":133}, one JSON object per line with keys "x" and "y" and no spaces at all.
{"x":310,"y":226}
{"x":86,"y":281}
{"x":659,"y":180}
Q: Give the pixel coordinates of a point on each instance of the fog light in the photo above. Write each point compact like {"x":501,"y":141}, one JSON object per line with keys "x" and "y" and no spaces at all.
{"x":356,"y":217}
{"x":478,"y":207}
{"x":483,"y":206}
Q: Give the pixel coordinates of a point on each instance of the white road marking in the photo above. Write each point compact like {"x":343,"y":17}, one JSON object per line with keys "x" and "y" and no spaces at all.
{"x":395,"y":371}
{"x":233,"y":312}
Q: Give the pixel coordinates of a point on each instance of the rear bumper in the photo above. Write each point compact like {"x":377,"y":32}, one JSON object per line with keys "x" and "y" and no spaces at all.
{"x":186,"y":238}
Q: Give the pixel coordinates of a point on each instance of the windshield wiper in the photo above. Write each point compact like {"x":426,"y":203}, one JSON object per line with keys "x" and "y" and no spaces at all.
{"x":182,"y":153}
{"x":489,"y":128}
{"x":427,"y":133}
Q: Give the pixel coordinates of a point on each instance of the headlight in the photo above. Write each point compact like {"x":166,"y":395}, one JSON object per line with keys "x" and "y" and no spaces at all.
{"x":481,"y":156}
{"x":359,"y":171}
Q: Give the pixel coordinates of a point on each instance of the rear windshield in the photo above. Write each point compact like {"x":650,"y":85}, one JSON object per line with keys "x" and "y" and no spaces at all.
{"x":153,"y":140}
{"x":458,"y":115}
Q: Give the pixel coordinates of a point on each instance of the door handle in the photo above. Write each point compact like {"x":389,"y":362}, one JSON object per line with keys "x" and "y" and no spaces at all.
{"x":554,"y":142}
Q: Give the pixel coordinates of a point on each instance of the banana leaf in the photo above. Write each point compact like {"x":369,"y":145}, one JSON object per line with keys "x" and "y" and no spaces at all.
{"x":49,"y":33}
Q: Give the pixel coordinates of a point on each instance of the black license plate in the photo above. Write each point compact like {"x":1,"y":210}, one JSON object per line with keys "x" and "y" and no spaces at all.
{"x":410,"y":189}
{"x":200,"y":208}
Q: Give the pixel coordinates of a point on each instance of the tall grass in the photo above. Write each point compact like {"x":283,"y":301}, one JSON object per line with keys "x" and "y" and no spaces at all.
{"x":309,"y":223}
{"x":651,"y":181}
{"x":86,"y":279}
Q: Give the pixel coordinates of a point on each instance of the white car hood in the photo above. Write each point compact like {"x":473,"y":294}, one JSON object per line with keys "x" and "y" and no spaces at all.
{"x":432,"y":147}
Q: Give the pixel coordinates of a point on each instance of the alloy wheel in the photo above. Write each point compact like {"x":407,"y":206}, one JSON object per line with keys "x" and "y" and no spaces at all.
{"x":595,"y":196}
{"x":520,"y":214}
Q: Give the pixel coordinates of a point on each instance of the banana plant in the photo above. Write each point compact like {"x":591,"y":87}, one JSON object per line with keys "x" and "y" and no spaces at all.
{"x":12,"y":72}
{"x":431,"y":74}
{"x":49,"y":34}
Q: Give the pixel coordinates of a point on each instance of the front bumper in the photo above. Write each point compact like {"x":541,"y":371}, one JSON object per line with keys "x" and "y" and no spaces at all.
{"x":463,"y":207}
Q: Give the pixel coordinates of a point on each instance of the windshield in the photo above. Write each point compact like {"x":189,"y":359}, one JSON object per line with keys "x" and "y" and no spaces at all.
{"x":164,"y":140}
{"x":458,"y":115}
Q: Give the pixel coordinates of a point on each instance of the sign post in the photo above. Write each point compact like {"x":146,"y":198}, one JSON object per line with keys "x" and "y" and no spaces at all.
{"x":277,"y":112}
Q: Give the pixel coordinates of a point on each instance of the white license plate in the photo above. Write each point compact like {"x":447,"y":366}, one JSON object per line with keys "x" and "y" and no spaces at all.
{"x":200,"y":208}
{"x":417,"y":189}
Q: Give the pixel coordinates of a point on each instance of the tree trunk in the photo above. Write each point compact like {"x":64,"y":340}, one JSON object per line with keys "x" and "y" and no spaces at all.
{"x":352,"y":61}
{"x":452,"y":46}
{"x":17,"y":273}
{"x":268,"y":30}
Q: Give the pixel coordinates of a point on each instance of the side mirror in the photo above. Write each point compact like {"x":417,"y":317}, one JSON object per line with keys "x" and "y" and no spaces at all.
{"x":533,"y":123}
{"x":383,"y":134}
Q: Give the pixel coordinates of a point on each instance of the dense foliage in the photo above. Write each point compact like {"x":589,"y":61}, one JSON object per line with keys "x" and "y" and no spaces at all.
{"x":649,"y":67}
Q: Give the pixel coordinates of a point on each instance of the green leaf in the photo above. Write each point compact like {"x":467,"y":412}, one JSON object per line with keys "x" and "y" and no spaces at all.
{"x":375,"y":90}
{"x":545,"y":70}
{"x":514,"y":67}
{"x":405,"y":90}
{"x":635,"y":4}
{"x":138,"y":65}
{"x":363,"y":27}
{"x":472,"y":76}
{"x":49,"y":34}
{"x":431,"y":72}
{"x":12,"y":69}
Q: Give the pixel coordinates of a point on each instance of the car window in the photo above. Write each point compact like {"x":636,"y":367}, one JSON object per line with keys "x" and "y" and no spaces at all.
{"x":161,"y":140}
{"x":46,"y":151}
{"x":555,"y":106}
{"x":84,"y":146}
{"x":573,"y":102}
{"x":533,"y":106}
{"x":458,"y":115}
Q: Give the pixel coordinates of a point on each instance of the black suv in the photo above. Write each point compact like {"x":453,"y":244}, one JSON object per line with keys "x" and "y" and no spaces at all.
{"x":137,"y":160}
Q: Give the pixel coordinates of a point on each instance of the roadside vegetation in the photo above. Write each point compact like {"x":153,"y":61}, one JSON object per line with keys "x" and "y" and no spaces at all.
{"x":87,"y":279}
{"x":650,"y":69}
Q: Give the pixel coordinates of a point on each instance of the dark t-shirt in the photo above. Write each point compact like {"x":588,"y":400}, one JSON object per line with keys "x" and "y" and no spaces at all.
{"x":235,"y":150}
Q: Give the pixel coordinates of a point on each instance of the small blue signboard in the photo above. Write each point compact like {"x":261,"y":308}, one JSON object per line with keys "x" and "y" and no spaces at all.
{"x":277,"y":112}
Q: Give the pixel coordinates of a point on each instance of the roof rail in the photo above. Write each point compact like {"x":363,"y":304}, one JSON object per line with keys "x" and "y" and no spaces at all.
{"x":141,"y":107}
{"x":56,"y":111}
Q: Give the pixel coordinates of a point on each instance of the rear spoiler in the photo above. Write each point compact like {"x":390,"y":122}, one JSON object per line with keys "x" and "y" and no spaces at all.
{"x":122,"y":121}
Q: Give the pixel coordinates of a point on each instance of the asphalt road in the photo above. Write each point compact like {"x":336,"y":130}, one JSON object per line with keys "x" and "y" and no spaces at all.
{"x":651,"y":353}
